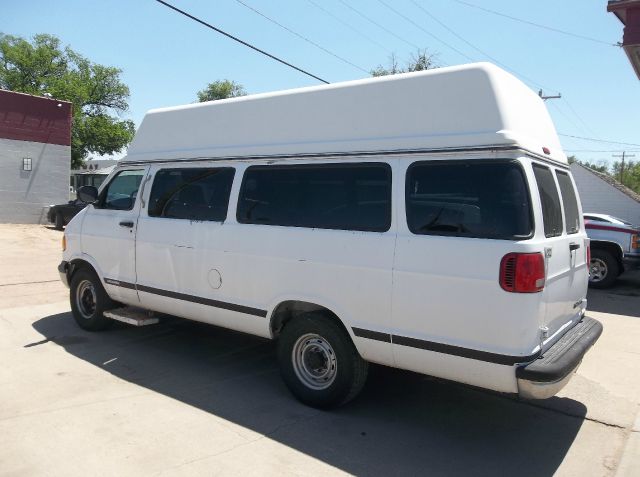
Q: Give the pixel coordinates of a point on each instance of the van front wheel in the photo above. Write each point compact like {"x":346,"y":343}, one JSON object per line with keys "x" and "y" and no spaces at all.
{"x":319,"y":363}
{"x":89,"y":300}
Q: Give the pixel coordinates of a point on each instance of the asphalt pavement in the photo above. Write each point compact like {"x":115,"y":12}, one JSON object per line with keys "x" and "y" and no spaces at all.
{"x":183,"y":398}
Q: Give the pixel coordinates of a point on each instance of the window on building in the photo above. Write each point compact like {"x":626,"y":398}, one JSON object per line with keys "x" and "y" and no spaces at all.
{"x":551,"y":212}
{"x":193,"y":194}
{"x":325,"y":196}
{"x":27,"y":164}
{"x":468,"y":199}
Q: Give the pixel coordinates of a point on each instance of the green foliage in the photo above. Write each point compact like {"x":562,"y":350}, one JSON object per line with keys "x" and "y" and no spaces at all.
{"x":630,"y":176}
{"x":419,"y":61}
{"x":221,"y":89}
{"x":96,"y":91}
{"x":599,"y":167}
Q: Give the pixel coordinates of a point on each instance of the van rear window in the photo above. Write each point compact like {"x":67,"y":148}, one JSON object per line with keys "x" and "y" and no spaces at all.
{"x":570,"y":202}
{"x":325,"y":196}
{"x":551,"y":212}
{"x":468,"y":199}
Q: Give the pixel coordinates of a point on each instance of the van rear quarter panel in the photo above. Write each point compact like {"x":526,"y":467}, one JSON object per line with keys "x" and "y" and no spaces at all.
{"x":446,"y":289}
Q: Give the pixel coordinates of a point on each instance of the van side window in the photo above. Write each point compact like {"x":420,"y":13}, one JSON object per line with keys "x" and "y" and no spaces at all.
{"x":121,"y":192}
{"x":570,"y":202}
{"x":325,"y":196}
{"x":551,"y":213}
{"x":468,"y":199}
{"x":193,"y":194}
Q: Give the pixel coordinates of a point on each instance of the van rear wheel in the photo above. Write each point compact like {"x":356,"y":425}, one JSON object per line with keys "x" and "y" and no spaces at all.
{"x":88,"y":301}
{"x":319,"y":363}
{"x":603,"y":269}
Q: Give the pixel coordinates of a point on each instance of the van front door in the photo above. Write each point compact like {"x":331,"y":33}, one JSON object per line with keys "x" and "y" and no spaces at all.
{"x":109,"y":233}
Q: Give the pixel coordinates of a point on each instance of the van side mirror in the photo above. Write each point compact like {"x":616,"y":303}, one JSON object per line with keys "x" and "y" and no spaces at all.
{"x":88,"y":194}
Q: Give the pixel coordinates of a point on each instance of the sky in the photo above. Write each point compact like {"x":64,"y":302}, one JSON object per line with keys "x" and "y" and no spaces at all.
{"x":166,"y":58}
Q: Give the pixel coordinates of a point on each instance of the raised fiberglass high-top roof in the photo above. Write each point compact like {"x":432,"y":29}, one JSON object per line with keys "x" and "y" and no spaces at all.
{"x":455,"y":107}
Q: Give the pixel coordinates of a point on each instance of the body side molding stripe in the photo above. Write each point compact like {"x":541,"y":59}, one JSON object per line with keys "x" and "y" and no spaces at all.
{"x":191,"y":298}
{"x":372,"y":335}
{"x":469,"y":353}
{"x":118,"y":283}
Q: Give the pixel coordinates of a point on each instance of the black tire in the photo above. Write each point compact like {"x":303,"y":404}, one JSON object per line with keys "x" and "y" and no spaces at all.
{"x":606,"y":268}
{"x":59,"y":223}
{"x":346,"y":370}
{"x":89,"y":300}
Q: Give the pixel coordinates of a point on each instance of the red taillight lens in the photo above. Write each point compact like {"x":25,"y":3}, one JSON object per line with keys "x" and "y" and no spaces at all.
{"x":635,"y":242}
{"x":522,"y":272}
{"x":588,"y":255}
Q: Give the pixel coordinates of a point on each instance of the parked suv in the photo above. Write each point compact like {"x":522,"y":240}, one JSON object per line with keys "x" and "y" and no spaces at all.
{"x":615,"y":247}
{"x":427,"y":221}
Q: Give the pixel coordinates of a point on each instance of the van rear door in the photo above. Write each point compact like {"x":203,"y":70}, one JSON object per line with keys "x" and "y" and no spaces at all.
{"x":565,"y":249}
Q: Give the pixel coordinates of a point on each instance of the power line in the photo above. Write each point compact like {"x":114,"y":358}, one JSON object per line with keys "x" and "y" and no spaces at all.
{"x":413,"y":45}
{"x":350,"y":27}
{"x":545,"y":27}
{"x":255,"y":48}
{"x":623,"y":155}
{"x":586,"y":126}
{"x":417,"y":25}
{"x":444,"y":25}
{"x":302,"y":37}
{"x":599,"y":140}
{"x":573,"y":123}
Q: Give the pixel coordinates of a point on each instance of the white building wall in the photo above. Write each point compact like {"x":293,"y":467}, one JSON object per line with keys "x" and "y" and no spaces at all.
{"x":24,"y":196}
{"x":598,"y":196}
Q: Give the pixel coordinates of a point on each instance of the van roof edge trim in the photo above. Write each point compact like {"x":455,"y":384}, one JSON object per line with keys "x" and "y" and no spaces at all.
{"x":329,"y":155}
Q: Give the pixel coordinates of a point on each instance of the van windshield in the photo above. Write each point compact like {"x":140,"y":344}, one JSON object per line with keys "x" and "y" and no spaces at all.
{"x":468,"y":199}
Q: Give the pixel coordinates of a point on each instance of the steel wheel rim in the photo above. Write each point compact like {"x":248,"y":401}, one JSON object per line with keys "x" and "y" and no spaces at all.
{"x":86,"y":299}
{"x":597,"y":270}
{"x":314,"y":361}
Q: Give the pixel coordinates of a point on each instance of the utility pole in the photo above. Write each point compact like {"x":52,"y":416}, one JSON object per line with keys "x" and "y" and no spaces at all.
{"x":623,"y":155}
{"x":545,"y":97}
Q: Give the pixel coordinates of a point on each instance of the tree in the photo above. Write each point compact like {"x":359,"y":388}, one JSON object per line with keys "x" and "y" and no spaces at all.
{"x":599,"y":167}
{"x":419,"y":61}
{"x":96,"y":91}
{"x":630,"y":176}
{"x":221,"y":89}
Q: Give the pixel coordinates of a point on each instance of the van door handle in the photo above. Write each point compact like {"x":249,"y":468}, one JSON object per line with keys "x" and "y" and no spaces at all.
{"x":126,"y":223}
{"x":574,"y":246}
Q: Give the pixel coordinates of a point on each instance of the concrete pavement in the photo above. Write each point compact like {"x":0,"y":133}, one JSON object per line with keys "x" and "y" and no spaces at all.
{"x":182,"y":398}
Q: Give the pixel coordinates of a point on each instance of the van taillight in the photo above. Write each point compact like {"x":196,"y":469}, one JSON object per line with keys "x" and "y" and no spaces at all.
{"x":635,"y":243}
{"x":522,"y":272}
{"x":588,"y":255}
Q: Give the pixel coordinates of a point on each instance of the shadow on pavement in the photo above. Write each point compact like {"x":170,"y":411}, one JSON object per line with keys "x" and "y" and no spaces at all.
{"x":622,"y":299}
{"x":402,"y":423}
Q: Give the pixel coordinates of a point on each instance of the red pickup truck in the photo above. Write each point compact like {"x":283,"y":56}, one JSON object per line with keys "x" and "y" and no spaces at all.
{"x":615,"y":247}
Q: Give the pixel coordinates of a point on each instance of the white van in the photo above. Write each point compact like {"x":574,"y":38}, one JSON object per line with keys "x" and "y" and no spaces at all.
{"x":426,"y":221}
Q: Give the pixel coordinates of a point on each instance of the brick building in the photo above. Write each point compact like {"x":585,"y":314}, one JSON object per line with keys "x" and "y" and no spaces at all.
{"x":35,"y":155}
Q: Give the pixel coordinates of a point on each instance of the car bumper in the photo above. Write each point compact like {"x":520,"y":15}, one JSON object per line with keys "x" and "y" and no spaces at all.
{"x":63,"y":270}
{"x":548,"y":374}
